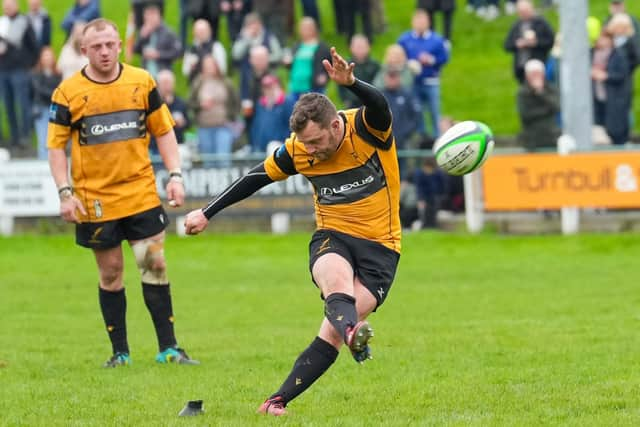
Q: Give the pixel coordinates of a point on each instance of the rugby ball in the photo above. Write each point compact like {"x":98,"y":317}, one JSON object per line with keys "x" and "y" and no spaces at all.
{"x":464,"y":147}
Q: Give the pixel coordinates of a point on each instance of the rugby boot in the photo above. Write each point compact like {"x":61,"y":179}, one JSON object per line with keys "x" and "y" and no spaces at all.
{"x":358,"y":338}
{"x":118,"y":359}
{"x":175,"y":355}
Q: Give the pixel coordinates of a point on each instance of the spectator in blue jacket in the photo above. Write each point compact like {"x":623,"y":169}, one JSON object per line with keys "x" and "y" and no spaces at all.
{"x":272,"y":112}
{"x":429,"y":49}
{"x":82,"y":10}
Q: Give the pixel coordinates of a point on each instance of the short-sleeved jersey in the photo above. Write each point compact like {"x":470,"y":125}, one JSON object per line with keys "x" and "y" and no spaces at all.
{"x":357,"y":190}
{"x":109,"y":125}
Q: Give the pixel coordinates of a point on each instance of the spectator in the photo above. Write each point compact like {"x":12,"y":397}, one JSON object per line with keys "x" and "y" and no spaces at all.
{"x":310,"y":9}
{"x":408,"y":204}
{"x":429,"y":49}
{"x":378,"y":16}
{"x":366,"y":68}
{"x":254,"y":33}
{"x":430,"y":189}
{"x":340,"y":9}
{"x":276,"y":16}
{"x":395,"y":58}
{"x":405,"y":110}
{"x":622,"y":30}
{"x":44,"y":81}
{"x":138,"y":7}
{"x":360,"y":8}
{"x":215,"y":104}
{"x":251,"y":90}
{"x":447,"y":7}
{"x":19,"y":52}
{"x":82,"y":10}
{"x":184,"y":22}
{"x":530,"y":37}
{"x":612,"y":87}
{"x":158,"y":45}
{"x":618,"y":6}
{"x":307,"y":72}
{"x":177,"y":106}
{"x":538,"y":104}
{"x":235,"y":12}
{"x":204,"y":9}
{"x":271,"y":119}
{"x":40,"y":22}
{"x":71,"y":59}
{"x":203,"y":44}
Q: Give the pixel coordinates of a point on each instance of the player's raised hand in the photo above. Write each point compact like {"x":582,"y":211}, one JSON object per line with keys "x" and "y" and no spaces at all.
{"x":338,"y":69}
{"x":195,"y":222}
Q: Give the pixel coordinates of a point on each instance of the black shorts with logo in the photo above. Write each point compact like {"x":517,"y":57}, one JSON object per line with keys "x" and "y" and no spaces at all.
{"x":109,"y":234}
{"x":374,"y":264}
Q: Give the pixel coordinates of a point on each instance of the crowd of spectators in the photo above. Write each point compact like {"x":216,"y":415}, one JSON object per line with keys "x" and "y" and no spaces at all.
{"x":237,"y":97}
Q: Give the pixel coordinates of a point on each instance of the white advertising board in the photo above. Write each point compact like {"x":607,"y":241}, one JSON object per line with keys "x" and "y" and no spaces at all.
{"x":27,"y":189}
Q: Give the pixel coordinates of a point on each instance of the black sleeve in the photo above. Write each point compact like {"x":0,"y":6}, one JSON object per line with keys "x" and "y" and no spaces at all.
{"x":245,"y":186}
{"x":376,"y":111}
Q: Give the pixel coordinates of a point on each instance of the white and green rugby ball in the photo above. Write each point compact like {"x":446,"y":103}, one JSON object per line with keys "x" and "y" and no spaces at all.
{"x":464,"y":147}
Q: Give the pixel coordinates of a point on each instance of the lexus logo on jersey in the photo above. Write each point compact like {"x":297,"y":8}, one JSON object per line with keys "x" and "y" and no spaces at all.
{"x":328,"y":191}
{"x":112,"y":127}
{"x":101,"y":129}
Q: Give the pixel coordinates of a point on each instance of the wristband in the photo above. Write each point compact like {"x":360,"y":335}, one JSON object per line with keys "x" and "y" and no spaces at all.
{"x":176,"y":176}
{"x":65,"y":192}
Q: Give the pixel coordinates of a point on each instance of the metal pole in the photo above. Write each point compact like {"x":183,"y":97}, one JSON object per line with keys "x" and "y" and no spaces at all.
{"x":575,"y":89}
{"x":575,"y":76}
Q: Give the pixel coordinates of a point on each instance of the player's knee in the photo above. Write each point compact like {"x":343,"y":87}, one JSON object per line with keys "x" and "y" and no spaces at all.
{"x":111,"y":277}
{"x":149,"y":256}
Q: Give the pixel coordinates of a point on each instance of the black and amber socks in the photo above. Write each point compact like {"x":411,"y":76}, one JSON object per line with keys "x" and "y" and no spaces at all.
{"x":158,"y":301}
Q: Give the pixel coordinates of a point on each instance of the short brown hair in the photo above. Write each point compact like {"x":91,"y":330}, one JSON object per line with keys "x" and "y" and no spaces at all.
{"x":313,"y":107}
{"x":99,"y":24}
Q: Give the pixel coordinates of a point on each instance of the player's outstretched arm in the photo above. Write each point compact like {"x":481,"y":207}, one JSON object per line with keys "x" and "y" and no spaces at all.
{"x":197,"y":220}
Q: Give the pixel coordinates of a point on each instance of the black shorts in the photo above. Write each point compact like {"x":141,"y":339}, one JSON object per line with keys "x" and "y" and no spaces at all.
{"x":374,"y":264}
{"x":109,"y":234}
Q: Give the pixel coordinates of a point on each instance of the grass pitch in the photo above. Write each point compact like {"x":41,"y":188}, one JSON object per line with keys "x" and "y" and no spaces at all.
{"x":478,"y":330}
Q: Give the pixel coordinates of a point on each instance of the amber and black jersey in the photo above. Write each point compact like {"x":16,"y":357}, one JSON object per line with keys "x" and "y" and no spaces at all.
{"x":357,"y":191}
{"x":109,"y":125}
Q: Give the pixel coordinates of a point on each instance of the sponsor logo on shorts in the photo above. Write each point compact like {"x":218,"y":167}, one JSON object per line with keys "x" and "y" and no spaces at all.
{"x":94,"y":237}
{"x":324,"y":246}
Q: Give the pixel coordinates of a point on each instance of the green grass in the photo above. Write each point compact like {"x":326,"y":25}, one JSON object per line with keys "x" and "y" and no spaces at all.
{"x":476,"y":84}
{"x":478,"y":330}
